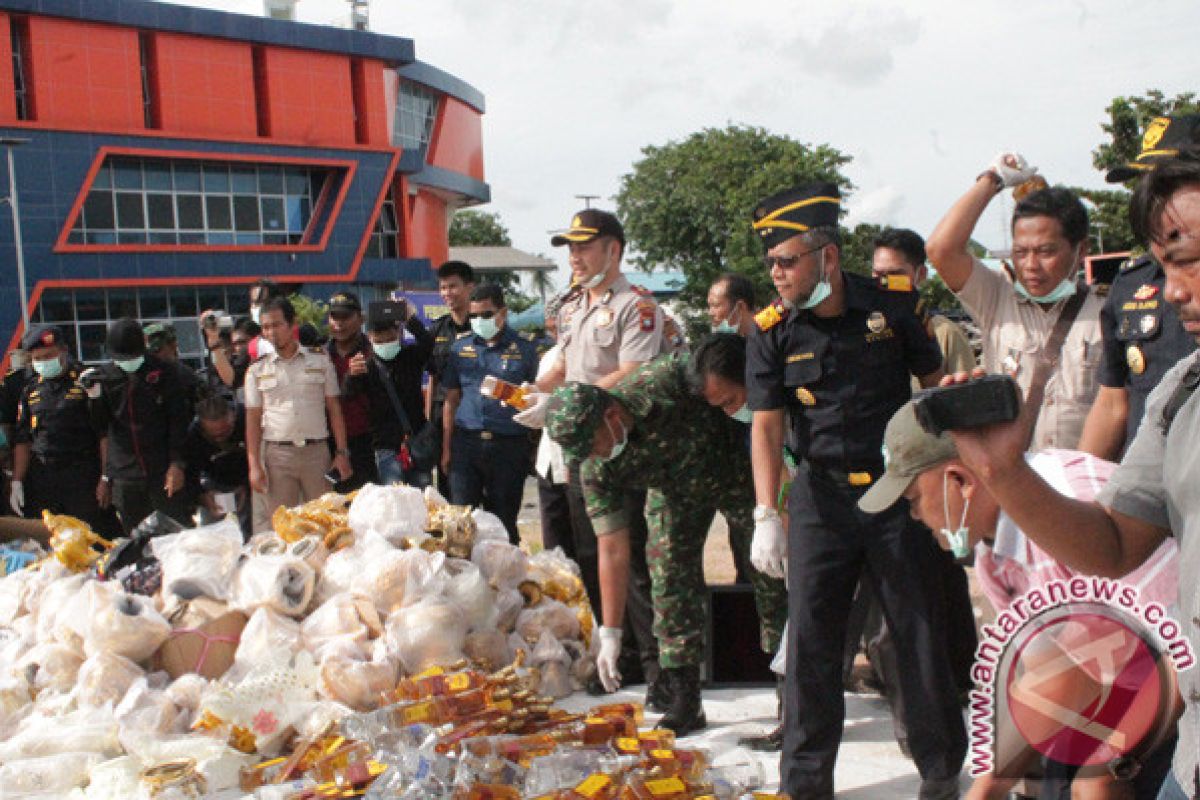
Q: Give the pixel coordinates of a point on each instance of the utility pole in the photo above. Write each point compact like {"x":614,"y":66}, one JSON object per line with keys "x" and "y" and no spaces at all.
{"x":360,"y":14}
{"x":587,"y":199}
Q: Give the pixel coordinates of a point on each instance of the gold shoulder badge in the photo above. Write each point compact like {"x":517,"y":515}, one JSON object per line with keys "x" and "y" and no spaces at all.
{"x":1136,"y":359}
{"x":895,"y":283}
{"x":805,"y":397}
{"x":770,"y":316}
{"x":1145,"y":291}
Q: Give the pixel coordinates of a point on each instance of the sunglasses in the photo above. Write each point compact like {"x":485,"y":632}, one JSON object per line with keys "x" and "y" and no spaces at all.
{"x":787,"y":262}
{"x":482,"y":315}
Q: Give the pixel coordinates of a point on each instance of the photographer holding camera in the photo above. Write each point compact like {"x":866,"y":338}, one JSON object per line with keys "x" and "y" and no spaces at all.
{"x":391,"y":380}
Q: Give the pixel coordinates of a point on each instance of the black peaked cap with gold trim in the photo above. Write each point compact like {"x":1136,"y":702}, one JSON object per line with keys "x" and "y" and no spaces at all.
{"x":795,"y":211}
{"x":1164,"y":138}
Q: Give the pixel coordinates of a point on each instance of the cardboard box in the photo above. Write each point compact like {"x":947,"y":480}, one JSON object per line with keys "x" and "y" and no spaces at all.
{"x":207,"y":650}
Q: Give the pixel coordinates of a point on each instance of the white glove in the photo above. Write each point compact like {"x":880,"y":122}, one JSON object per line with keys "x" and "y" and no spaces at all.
{"x":534,"y":416}
{"x":16,"y":498}
{"x":606,"y":660}
{"x":768,"y":548}
{"x":93,"y":389}
{"x":1012,"y":168}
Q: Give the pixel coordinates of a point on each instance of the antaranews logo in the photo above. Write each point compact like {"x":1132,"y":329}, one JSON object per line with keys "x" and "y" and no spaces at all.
{"x":1078,"y":671}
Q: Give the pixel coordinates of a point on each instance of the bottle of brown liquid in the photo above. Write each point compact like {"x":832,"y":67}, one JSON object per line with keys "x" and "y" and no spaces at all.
{"x":505,"y":392}
{"x":1034,"y":184}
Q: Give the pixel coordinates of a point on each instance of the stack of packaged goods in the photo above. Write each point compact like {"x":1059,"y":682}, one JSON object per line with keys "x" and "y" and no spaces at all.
{"x":357,"y":646}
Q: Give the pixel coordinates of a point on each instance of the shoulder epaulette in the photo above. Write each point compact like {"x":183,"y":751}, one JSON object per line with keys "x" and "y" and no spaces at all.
{"x":641,"y":290}
{"x":770,"y":316}
{"x":458,"y":336}
{"x":895,"y":283}
{"x":1130,"y":264}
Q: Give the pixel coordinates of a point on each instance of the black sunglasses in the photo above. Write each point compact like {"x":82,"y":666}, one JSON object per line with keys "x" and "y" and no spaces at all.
{"x":482,"y":314}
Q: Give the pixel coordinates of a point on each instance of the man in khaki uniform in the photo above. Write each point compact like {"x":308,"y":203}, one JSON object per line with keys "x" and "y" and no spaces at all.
{"x":288,"y":394}
{"x":1017,"y":310}
{"x":605,"y":333}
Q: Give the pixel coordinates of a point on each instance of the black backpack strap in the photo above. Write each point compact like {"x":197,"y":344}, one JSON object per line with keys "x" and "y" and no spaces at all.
{"x":1185,"y":389}
{"x":385,"y":377}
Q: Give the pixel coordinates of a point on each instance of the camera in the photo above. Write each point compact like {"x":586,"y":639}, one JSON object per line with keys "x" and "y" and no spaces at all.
{"x":218,"y":320}
{"x":381,"y":313}
{"x":983,"y":401}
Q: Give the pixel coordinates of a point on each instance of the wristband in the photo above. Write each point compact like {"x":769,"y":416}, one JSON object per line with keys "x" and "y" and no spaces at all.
{"x":995,"y":178}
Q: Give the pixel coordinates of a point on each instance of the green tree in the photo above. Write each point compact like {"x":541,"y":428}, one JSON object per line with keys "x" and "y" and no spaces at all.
{"x":687,"y":205}
{"x":312,"y":311}
{"x":1108,"y":220}
{"x":470,"y":228}
{"x":1127,"y":121}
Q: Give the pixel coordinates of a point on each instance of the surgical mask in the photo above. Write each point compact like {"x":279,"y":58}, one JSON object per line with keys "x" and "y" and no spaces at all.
{"x":1061,"y":292}
{"x":821,"y":291}
{"x":725,"y":326}
{"x":595,"y":280}
{"x":131,"y":364}
{"x":50,"y":368}
{"x":959,"y":539}
{"x":484,"y":328}
{"x":255,"y":313}
{"x":743,"y":414}
{"x":387,"y":350}
{"x":617,"y":447}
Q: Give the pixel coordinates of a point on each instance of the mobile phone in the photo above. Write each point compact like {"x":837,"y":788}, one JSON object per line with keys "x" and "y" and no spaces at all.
{"x":333,"y":476}
{"x":983,"y":401}
{"x":383,"y":312}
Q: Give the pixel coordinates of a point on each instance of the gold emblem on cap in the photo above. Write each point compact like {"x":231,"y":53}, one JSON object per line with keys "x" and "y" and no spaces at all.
{"x":604,"y":317}
{"x":576,"y":222}
{"x":805,"y":397}
{"x":1136,"y":359}
{"x":876,"y":321}
{"x":1154,"y":132}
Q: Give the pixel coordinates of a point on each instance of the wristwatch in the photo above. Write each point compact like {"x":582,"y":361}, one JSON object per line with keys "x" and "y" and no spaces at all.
{"x":763,"y":513}
{"x":994,"y":176}
{"x":342,"y":451}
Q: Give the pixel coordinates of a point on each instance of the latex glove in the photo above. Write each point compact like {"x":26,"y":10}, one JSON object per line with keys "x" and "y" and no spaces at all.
{"x":90,"y":378}
{"x":535,"y":415}
{"x":1012,"y":168}
{"x":768,"y":548}
{"x":606,"y":660}
{"x":16,"y":498}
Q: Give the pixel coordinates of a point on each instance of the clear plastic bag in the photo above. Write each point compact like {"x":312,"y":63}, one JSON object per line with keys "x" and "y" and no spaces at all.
{"x":503,"y":564}
{"x":115,"y":779}
{"x":488,"y":527}
{"x":269,"y":639}
{"x":554,"y":663}
{"x":345,"y":570}
{"x":428,"y":633}
{"x":86,"y":730}
{"x":105,"y":678}
{"x":487,"y":649}
{"x":509,"y":605}
{"x":267,"y":700}
{"x":343,"y":617}
{"x":281,"y":583}
{"x":359,"y":683}
{"x":57,"y":621}
{"x":200,"y":561}
{"x":51,"y":666}
{"x":122,"y":624}
{"x":46,"y":776}
{"x":548,"y":615}
{"x":147,"y":710}
{"x":393,"y":512}
{"x":186,"y":690}
{"x":402,"y":577}
{"x":467,"y":586}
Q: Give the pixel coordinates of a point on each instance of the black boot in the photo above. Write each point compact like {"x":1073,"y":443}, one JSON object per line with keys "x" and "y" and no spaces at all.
{"x":658,"y":693}
{"x":766,"y":743}
{"x":686,"y":713}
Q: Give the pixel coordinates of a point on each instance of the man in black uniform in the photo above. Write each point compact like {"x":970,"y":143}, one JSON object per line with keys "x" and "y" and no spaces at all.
{"x":58,"y":454}
{"x":835,"y":354}
{"x":215,"y":463}
{"x":456,"y":281}
{"x":140,"y":403}
{"x":19,"y":374}
{"x":1143,"y":337}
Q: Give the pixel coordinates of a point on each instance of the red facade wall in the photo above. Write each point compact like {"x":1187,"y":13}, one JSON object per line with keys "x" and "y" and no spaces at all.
{"x":458,"y":139}
{"x":205,"y":86}
{"x":8,"y":103}
{"x":428,"y":235}
{"x":310,"y":96}
{"x":85,"y":74}
{"x":371,"y":102}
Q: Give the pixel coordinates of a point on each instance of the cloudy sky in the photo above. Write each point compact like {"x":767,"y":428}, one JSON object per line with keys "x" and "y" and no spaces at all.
{"x":921,"y":94}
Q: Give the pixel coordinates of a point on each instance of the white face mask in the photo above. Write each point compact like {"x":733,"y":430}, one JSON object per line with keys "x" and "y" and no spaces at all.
{"x":743,"y":414}
{"x":821,"y":291}
{"x":959,"y":539}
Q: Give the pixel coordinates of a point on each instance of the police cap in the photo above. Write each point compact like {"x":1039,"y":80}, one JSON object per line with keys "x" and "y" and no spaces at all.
{"x":589,"y":224}
{"x":1164,"y":138}
{"x":42,"y":336}
{"x":795,"y":211}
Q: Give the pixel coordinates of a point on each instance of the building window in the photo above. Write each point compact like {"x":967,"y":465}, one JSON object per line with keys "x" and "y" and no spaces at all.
{"x":416,"y":109}
{"x":85,"y":314}
{"x":23,"y":94}
{"x":153,"y":201}
{"x":385,"y":242}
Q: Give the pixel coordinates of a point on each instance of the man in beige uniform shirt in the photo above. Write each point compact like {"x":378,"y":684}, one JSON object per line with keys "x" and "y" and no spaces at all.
{"x":288,"y":394}
{"x":1017,"y":311}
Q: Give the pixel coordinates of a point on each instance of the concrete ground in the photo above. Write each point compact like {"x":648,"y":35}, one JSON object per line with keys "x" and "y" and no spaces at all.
{"x":870,"y":764}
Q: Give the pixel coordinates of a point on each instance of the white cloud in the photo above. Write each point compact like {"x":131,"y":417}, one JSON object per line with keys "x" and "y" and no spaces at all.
{"x":857,"y":47}
{"x":880,"y":206}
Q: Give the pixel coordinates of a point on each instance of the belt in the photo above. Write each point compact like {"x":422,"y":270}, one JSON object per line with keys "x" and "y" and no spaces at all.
{"x":858,"y":479}
{"x":487,"y":436}
{"x":300,"y":442}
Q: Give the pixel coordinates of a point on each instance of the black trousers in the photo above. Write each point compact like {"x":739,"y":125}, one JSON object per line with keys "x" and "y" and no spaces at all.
{"x":137,"y":499}
{"x":68,"y":488}
{"x":362,"y":461}
{"x":830,"y":545}
{"x":488,"y":471}
{"x":639,"y":644}
{"x":555,"y":510}
{"x":435,"y":419}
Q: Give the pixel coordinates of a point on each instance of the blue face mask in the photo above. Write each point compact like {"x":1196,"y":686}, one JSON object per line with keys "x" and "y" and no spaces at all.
{"x":725,"y":326}
{"x":387,"y":350}
{"x":485,"y":328}
{"x":821,"y":291}
{"x":617,"y":447}
{"x":130,"y":365}
{"x":1061,"y":292}
{"x":50,"y":368}
{"x":743,"y":414}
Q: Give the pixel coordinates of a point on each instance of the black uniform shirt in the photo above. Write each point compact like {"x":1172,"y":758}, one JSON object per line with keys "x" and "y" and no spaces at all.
{"x":146,"y":415}
{"x":841,"y":379}
{"x":10,"y":393}
{"x":53,"y":419}
{"x":445,"y":332}
{"x":1143,"y":337}
{"x":223,"y":463}
{"x":404,"y":373}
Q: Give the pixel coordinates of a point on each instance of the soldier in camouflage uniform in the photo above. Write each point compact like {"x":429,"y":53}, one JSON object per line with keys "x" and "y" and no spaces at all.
{"x":654,"y":429}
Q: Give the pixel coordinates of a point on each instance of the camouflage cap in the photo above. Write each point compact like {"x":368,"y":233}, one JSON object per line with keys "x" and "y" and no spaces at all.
{"x":158,"y":335}
{"x":573,"y":414}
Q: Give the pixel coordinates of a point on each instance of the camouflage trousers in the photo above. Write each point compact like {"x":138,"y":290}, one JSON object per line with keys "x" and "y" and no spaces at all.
{"x":678,"y":528}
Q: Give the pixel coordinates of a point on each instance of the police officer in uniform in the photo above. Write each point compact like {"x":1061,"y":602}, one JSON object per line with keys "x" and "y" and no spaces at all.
{"x":58,"y":454}
{"x":1142,"y":335}
{"x":456,"y":281}
{"x":834,"y":356}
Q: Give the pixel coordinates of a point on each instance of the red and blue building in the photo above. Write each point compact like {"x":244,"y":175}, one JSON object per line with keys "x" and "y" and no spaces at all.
{"x":173,"y":155}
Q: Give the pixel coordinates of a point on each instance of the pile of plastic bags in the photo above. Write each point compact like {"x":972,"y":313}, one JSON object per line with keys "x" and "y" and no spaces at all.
{"x":193,"y":646}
